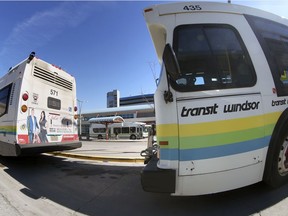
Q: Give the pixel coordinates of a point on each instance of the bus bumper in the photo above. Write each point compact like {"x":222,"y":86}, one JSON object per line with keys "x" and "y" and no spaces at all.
{"x":154,"y":179}
{"x":37,"y":148}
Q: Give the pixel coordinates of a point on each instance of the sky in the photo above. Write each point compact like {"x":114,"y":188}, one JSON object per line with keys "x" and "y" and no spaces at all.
{"x":105,"y":45}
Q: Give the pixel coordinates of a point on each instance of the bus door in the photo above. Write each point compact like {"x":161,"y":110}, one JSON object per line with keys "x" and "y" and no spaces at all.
{"x":218,"y":103}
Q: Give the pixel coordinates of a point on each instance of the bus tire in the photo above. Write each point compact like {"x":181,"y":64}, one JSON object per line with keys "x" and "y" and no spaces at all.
{"x":276,"y":168}
{"x":100,"y":137}
{"x":133,"y":137}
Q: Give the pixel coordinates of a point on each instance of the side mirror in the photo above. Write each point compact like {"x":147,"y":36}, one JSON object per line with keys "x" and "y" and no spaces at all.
{"x":171,"y":63}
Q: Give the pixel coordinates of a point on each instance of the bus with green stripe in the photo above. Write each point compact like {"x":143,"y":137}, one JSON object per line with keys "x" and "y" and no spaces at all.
{"x":38,"y":109}
{"x":221,"y":102}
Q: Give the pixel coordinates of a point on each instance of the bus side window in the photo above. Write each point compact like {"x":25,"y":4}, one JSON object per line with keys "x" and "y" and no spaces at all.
{"x":117,"y":130}
{"x":125,"y":130}
{"x":273,"y":38}
{"x":4,"y":99}
{"x":132,"y":129}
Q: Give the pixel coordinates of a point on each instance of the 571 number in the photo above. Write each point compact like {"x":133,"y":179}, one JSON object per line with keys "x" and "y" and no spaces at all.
{"x":192,"y":7}
{"x":53,"y":92}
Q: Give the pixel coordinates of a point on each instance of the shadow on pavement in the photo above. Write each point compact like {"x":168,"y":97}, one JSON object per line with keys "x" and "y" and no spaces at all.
{"x":93,"y":188}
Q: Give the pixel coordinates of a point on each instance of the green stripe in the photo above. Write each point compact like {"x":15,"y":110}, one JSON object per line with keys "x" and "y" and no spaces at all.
{"x":217,"y":139}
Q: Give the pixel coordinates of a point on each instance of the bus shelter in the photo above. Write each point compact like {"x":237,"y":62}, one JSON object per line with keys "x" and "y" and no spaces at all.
{"x":106,"y":121}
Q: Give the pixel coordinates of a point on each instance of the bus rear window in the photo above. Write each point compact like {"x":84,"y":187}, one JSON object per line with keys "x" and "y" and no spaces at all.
{"x":211,"y":57}
{"x":53,"y":103}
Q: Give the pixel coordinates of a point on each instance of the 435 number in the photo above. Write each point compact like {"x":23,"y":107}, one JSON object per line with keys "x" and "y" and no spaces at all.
{"x":192,"y":7}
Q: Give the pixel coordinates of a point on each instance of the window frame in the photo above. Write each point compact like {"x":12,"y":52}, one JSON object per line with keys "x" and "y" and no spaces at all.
{"x":281,"y":89}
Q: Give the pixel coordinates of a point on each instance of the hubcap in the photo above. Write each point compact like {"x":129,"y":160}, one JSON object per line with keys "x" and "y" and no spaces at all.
{"x":283,"y":158}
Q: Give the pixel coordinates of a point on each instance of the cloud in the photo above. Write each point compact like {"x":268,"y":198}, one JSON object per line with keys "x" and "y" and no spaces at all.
{"x":43,"y":26}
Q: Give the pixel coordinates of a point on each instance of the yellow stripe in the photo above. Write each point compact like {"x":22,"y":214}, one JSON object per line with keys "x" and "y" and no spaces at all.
{"x":272,"y":118}
{"x":167,"y":130}
{"x":8,"y":128}
{"x":224,"y":126}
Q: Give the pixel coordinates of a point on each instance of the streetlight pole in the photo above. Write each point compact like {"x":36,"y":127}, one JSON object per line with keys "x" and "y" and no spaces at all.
{"x":80,"y":102}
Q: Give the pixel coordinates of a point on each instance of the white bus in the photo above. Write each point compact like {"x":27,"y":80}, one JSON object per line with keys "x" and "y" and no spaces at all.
{"x":37,"y":109}
{"x":221,"y":100}
{"x":146,"y":129}
{"x":125,"y":130}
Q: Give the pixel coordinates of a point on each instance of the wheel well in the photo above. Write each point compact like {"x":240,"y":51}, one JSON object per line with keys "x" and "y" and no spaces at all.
{"x":133,"y":136}
{"x":280,"y":125}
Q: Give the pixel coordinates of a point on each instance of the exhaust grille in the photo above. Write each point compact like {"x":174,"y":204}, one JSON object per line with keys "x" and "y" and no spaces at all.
{"x":52,"y":78}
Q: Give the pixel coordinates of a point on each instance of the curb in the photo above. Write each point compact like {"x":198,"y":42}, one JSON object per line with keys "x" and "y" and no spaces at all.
{"x":99,"y":158}
{"x":113,"y":140}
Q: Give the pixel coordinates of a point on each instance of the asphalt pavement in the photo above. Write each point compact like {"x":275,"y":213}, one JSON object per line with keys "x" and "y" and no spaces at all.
{"x":121,"y":150}
{"x":129,"y":151}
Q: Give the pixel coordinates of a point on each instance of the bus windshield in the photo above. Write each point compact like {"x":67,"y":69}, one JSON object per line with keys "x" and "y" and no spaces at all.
{"x":211,"y":57}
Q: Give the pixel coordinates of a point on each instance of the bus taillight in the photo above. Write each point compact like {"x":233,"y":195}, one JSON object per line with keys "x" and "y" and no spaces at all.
{"x":25,"y":96}
{"x":24,"y":108}
{"x":75,"y":108}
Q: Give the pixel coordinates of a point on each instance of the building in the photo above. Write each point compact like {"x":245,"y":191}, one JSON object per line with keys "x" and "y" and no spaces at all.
{"x":137,"y":100}
{"x":113,"y":99}
{"x":138,"y":108}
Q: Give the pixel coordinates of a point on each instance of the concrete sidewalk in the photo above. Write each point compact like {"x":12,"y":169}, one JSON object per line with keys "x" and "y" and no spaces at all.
{"x":108,"y":151}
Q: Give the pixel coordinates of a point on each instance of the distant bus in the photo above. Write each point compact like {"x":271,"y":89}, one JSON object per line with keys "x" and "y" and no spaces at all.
{"x":146,"y":129}
{"x":37,"y":109}
{"x":221,"y":102}
{"x":126,"y":130}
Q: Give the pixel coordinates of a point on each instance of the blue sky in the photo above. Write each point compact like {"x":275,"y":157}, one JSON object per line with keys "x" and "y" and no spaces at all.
{"x":105,"y":45}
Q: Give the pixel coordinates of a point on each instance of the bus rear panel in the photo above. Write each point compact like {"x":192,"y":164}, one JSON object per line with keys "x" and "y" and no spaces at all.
{"x":39,"y":109}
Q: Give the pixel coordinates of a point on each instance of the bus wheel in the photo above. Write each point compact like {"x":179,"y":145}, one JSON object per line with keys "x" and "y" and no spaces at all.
{"x":100,"y":137}
{"x":278,"y":161}
{"x":132,"y":137}
{"x":283,"y":158}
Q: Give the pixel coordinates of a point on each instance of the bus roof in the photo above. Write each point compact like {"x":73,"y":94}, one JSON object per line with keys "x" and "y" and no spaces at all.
{"x":219,"y":7}
{"x":44,"y":65}
{"x":155,"y":17}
